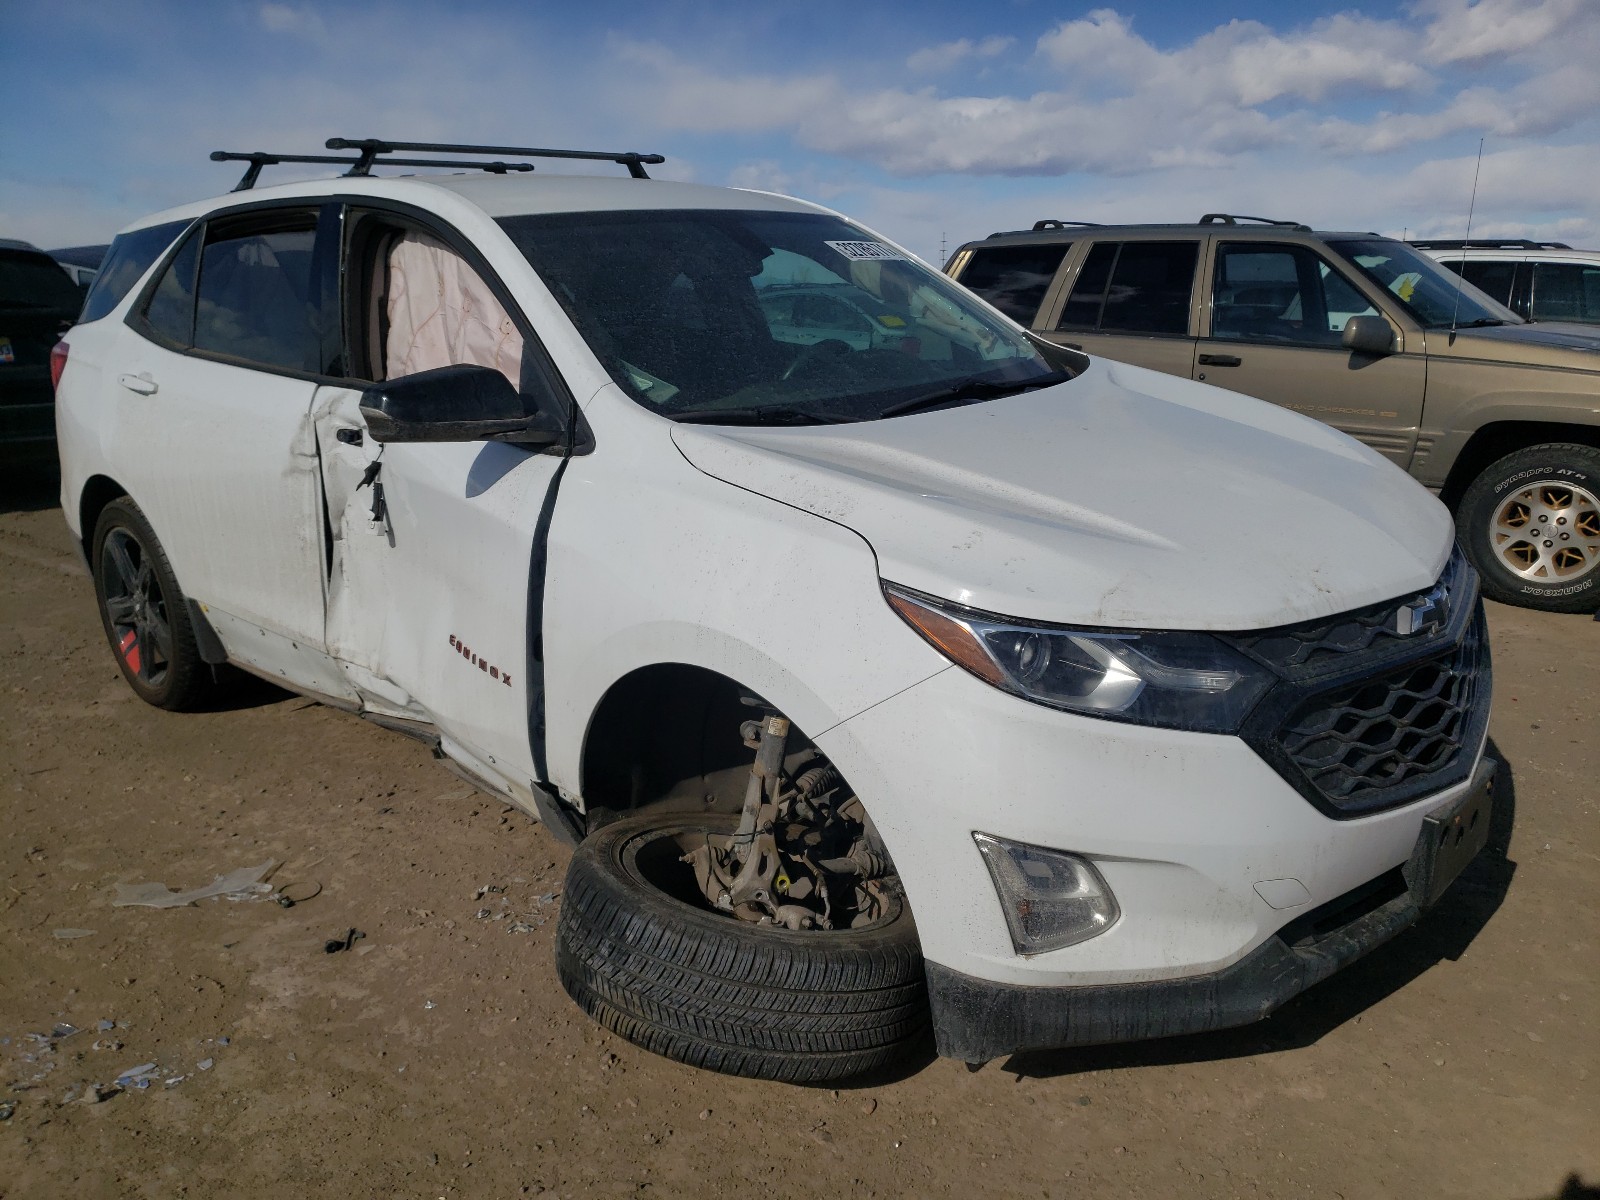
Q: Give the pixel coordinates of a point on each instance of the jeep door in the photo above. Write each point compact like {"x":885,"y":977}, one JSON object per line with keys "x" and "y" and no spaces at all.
{"x":1131,"y":300}
{"x":1275,"y":322}
{"x":431,"y":560}
{"x":210,"y":430}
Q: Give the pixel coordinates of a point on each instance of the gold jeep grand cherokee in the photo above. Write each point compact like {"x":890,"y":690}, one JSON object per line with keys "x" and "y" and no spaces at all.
{"x":1499,"y":416}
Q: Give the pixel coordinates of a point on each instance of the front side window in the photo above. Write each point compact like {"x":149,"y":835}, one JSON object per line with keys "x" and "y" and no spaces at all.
{"x":1014,"y":278}
{"x":256,"y":301}
{"x":1434,"y":296}
{"x":768,"y":316}
{"x":1134,"y":287}
{"x":1566,"y":292}
{"x":1271,"y":292}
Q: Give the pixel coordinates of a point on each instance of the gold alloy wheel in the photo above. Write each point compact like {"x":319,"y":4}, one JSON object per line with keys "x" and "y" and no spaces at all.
{"x":1548,"y":532}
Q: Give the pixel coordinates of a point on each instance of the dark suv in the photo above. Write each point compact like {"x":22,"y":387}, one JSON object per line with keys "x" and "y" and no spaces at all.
{"x":38,"y":303}
{"x":1499,"y":417}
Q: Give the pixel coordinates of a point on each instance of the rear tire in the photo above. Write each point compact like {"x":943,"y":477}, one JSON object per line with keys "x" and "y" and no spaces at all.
{"x":713,"y":991}
{"x":143,"y":611}
{"x":1530,"y":523}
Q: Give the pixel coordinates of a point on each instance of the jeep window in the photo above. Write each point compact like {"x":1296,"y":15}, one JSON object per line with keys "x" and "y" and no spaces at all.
{"x":1014,"y":278}
{"x":1495,"y":278}
{"x":169,"y":313}
{"x":256,"y":300}
{"x":29,"y":280}
{"x":1134,"y":287}
{"x":673,"y":303}
{"x":1566,"y":292}
{"x":1272,"y":292}
{"x":126,"y":262}
{"x":1421,"y":286}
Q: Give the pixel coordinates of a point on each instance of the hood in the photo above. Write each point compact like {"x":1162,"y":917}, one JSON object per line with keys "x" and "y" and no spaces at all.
{"x":1123,"y":498}
{"x":1538,"y":344}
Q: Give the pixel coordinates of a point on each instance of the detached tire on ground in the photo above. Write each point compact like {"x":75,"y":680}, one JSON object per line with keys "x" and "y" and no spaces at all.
{"x":639,"y":952}
{"x":1530,"y":523}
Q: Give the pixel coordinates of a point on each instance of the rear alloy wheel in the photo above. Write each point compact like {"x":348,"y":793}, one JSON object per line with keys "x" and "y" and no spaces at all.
{"x":143,"y":611}
{"x":1531,"y":525}
{"x":642,"y":952}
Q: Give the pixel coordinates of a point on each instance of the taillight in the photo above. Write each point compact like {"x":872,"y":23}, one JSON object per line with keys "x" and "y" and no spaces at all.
{"x":58,"y":363}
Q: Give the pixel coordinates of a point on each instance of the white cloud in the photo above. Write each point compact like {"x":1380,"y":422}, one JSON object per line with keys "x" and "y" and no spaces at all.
{"x":1473,"y":31}
{"x":284,"y":18}
{"x":949,"y":54}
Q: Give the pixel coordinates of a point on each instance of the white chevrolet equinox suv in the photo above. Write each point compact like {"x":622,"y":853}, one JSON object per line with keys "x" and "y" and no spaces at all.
{"x":880,"y":684}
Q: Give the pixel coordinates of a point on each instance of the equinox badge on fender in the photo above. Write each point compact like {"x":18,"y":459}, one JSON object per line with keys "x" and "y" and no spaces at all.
{"x":460,"y":648}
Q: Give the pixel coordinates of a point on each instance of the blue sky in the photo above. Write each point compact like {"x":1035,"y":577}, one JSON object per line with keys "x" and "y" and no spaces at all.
{"x":934,"y":122}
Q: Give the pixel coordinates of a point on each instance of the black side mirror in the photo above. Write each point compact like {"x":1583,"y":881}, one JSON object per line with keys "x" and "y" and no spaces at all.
{"x":1368,"y":335}
{"x":453,"y":404}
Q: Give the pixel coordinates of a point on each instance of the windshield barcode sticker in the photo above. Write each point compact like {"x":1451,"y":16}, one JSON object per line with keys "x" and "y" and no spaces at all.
{"x":866,"y":251}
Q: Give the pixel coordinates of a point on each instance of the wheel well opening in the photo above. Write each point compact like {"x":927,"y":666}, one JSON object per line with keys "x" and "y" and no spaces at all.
{"x":1494,"y":442}
{"x":667,"y":736}
{"x":98,"y":492}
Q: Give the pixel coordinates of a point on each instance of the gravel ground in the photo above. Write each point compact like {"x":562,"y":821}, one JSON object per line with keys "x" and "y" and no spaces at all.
{"x":439,"y":1056}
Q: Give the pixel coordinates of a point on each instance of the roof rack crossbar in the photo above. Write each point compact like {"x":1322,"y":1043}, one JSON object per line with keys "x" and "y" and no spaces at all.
{"x":370,"y":148}
{"x":1039,"y":226}
{"x":258,"y":159}
{"x":1235,"y":218}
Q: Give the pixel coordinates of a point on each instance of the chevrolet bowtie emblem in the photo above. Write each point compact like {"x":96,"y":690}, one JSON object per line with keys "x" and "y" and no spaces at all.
{"x":1426,"y":614}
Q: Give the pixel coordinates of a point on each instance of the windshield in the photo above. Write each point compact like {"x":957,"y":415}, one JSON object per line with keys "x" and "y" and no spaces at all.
{"x":1425,"y":289}
{"x":762,"y":316}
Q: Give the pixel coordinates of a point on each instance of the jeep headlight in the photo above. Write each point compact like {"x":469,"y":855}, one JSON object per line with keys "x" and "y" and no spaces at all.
{"x":1175,"y":680}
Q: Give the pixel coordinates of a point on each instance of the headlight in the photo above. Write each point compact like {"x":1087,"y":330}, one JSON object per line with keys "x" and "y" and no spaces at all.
{"x":1175,"y":680}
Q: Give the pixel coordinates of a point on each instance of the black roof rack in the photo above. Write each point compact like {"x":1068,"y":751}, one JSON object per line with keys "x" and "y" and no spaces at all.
{"x":1235,"y":218}
{"x":1486,"y":244}
{"x":368,"y":151}
{"x":1042,"y":225}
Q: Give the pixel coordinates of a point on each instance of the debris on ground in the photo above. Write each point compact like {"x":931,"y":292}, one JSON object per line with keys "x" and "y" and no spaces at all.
{"x":68,"y":934}
{"x":334,"y":945}
{"x":242,"y":884}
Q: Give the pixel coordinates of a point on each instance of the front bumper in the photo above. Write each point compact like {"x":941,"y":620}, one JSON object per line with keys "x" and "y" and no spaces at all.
{"x":979,"y":1019}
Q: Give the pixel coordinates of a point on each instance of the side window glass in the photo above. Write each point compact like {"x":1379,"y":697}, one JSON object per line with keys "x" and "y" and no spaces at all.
{"x":1566,"y":292}
{"x":1014,"y":278}
{"x":1147,"y":290}
{"x":256,"y":300}
{"x":1273,"y":293}
{"x":125,"y":263}
{"x":1088,"y":296}
{"x":1493,"y":277}
{"x":170,"y":311}
{"x":439,"y":312}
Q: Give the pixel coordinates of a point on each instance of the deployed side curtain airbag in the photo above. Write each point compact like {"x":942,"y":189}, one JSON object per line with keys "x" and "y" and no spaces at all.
{"x":442,"y":314}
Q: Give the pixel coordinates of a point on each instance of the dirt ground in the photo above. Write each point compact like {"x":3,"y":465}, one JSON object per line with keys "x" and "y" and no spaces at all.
{"x":440,"y":1057}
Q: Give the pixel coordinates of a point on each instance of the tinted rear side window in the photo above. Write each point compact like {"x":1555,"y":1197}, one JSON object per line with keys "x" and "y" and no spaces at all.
{"x":125,"y":263}
{"x":1134,"y":287}
{"x":169,"y":314}
{"x":1014,"y":278}
{"x":1496,"y":278}
{"x":255,"y":298}
{"x":1566,"y":292}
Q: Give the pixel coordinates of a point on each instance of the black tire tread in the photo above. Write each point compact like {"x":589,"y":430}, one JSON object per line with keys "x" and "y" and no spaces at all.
{"x":714,"y":992}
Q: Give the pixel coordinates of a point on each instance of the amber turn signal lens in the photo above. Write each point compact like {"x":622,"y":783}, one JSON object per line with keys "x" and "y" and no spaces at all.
{"x":951,"y":638}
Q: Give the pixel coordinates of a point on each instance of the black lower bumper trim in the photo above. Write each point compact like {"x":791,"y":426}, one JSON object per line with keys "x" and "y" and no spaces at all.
{"x":978,"y":1019}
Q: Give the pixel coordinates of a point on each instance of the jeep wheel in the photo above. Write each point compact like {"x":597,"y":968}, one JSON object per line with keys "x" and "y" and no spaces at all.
{"x":640,"y":951}
{"x":145,"y":618}
{"x":1530,"y":523}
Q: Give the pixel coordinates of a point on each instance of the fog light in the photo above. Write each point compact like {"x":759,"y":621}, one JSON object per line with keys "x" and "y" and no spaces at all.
{"x":1051,"y":899}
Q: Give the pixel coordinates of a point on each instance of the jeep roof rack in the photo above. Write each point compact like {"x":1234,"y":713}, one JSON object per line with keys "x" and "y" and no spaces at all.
{"x":368,"y":151}
{"x":1038,"y":226}
{"x":1235,"y":218}
{"x":1486,"y":244}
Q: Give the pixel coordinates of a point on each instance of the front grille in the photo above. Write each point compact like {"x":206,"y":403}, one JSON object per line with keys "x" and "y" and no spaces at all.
{"x":1367,"y":717}
{"x":1360,"y":743}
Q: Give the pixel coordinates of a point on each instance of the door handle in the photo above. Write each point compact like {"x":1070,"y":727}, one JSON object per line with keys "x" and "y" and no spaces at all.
{"x":1220,"y":360}
{"x":142,"y":384}
{"x":349,"y":436}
